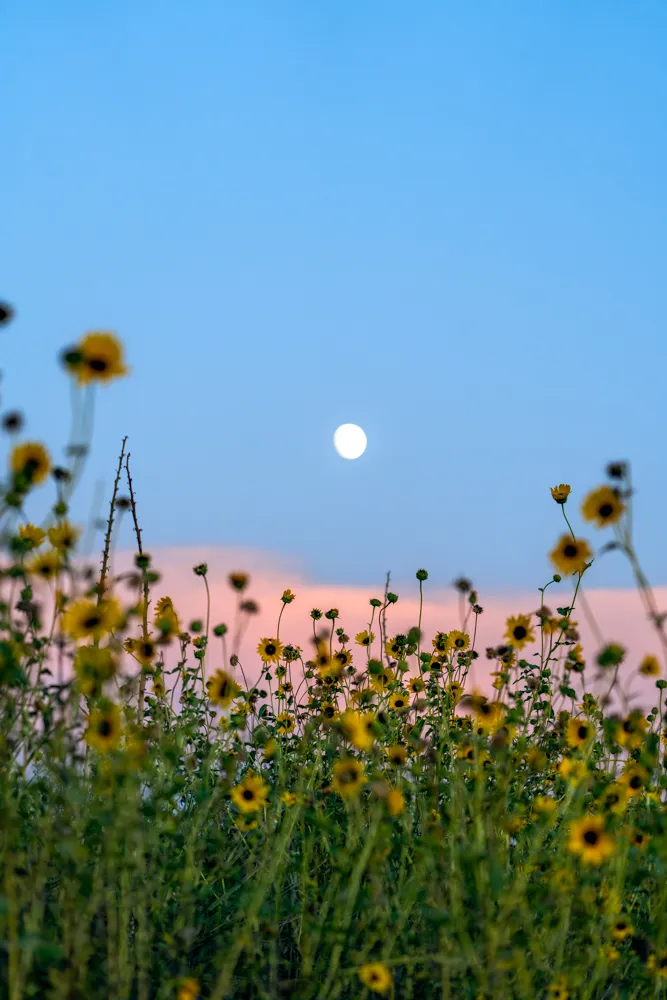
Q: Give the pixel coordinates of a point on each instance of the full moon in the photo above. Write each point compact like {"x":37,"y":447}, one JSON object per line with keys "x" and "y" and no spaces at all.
{"x":350,"y":441}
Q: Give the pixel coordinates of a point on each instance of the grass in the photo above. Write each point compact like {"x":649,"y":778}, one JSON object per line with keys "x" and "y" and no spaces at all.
{"x":359,"y":822}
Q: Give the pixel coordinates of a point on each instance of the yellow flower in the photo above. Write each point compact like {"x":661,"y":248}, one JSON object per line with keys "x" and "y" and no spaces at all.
{"x":395,"y":802}
{"x":251,"y":794}
{"x":396,"y":755}
{"x":544,"y":804}
{"x":383,"y":679}
{"x":571,"y":555}
{"x":288,"y":596}
{"x":558,"y":989}
{"x":30,"y":463}
{"x":93,"y":665}
{"x":104,"y":727}
{"x":365,"y":638}
{"x":100,"y":358}
{"x":590,"y":841}
{"x":348,"y":777}
{"x":615,"y":798}
{"x":45,"y":565}
{"x":440,"y":642}
{"x":376,"y":977}
{"x":270,"y":650}
{"x":621,"y":928}
{"x":270,"y":748}
{"x":650,"y":666}
{"x":87,"y":619}
{"x":603,"y":506}
{"x":328,"y":711}
{"x":416,"y":685}
{"x":358,"y":728}
{"x":284,"y":723}
{"x":634,"y":779}
{"x":394,"y":648}
{"x":289,"y":799}
{"x":188,"y":990}
{"x":639,"y":839}
{"x":579,"y":732}
{"x":222,"y":689}
{"x":32,"y":535}
{"x":560,"y":493}
{"x":632,"y":730}
{"x":658,"y":964}
{"x":399,"y":701}
{"x":166,"y":620}
{"x":64,"y":536}
{"x":457,"y":640}
{"x":343,"y":657}
{"x":572,"y":769}
{"x":519,"y":631}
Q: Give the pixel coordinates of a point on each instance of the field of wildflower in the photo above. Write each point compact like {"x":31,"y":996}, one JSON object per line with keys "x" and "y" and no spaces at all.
{"x":358,"y":820}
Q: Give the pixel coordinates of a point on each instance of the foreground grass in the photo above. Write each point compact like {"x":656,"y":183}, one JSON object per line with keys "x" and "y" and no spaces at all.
{"x":358,"y":822}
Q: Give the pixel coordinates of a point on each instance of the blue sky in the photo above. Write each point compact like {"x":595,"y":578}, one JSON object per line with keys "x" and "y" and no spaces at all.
{"x":442,"y":221}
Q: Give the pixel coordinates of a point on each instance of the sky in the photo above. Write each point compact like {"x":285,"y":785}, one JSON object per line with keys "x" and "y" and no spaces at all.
{"x":444,"y":222}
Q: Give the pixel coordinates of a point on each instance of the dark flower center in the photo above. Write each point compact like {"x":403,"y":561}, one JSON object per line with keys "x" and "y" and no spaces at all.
{"x":270,"y":649}
{"x":582,"y":732}
{"x":347,"y":777}
{"x":366,"y":641}
{"x":92,"y":621}
{"x":570,"y":551}
{"x":105,"y":728}
{"x":519,"y":632}
{"x":459,"y":643}
{"x":606,"y":510}
{"x":98,"y":364}
{"x":591,"y":837}
{"x":636,"y":782}
{"x":248,"y":794}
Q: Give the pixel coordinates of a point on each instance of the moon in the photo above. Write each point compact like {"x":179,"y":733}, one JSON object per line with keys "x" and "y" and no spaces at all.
{"x":350,"y":441}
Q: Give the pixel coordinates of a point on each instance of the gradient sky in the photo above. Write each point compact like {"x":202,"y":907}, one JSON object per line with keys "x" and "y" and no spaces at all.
{"x":444,"y":221}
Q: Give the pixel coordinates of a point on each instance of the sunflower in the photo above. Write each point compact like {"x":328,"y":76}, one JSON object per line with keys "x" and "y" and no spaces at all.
{"x":621,"y":928}
{"x":93,"y":665}
{"x":488,"y":714}
{"x":395,"y":646}
{"x":590,"y":841}
{"x":376,"y":977}
{"x":573,"y":770}
{"x":417,"y":685}
{"x":86,"y":619}
{"x":222,"y":688}
{"x":558,"y":989}
{"x":399,"y":701}
{"x":395,"y":802}
{"x":104,"y":727}
{"x":238,"y":581}
{"x":383,"y":679}
{"x":632,"y":730}
{"x":457,"y":640}
{"x":328,"y":711}
{"x":251,"y":794}
{"x":658,"y":964}
{"x":144,"y":650}
{"x":364,"y":638}
{"x":348,"y":777}
{"x":188,"y":990}
{"x":288,"y":596}
{"x":270,"y":650}
{"x":159,"y":688}
{"x":31,"y":535}
{"x":45,"y":565}
{"x":519,"y":631}
{"x":165,"y":619}
{"x":98,"y":357}
{"x":650,"y":666}
{"x":560,"y":493}
{"x":603,"y":506}
{"x":343,"y":657}
{"x":30,"y":463}
{"x":639,"y":839}
{"x":571,"y":555}
{"x":284,"y":723}
{"x":634,"y":779}
{"x":455,"y":690}
{"x":396,"y":755}
{"x":358,"y":728}
{"x":64,"y":536}
{"x":579,"y":732}
{"x":439,"y":643}
{"x":615,"y":798}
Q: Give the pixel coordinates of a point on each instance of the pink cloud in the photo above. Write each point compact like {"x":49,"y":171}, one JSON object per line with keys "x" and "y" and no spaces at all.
{"x":619,"y":614}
